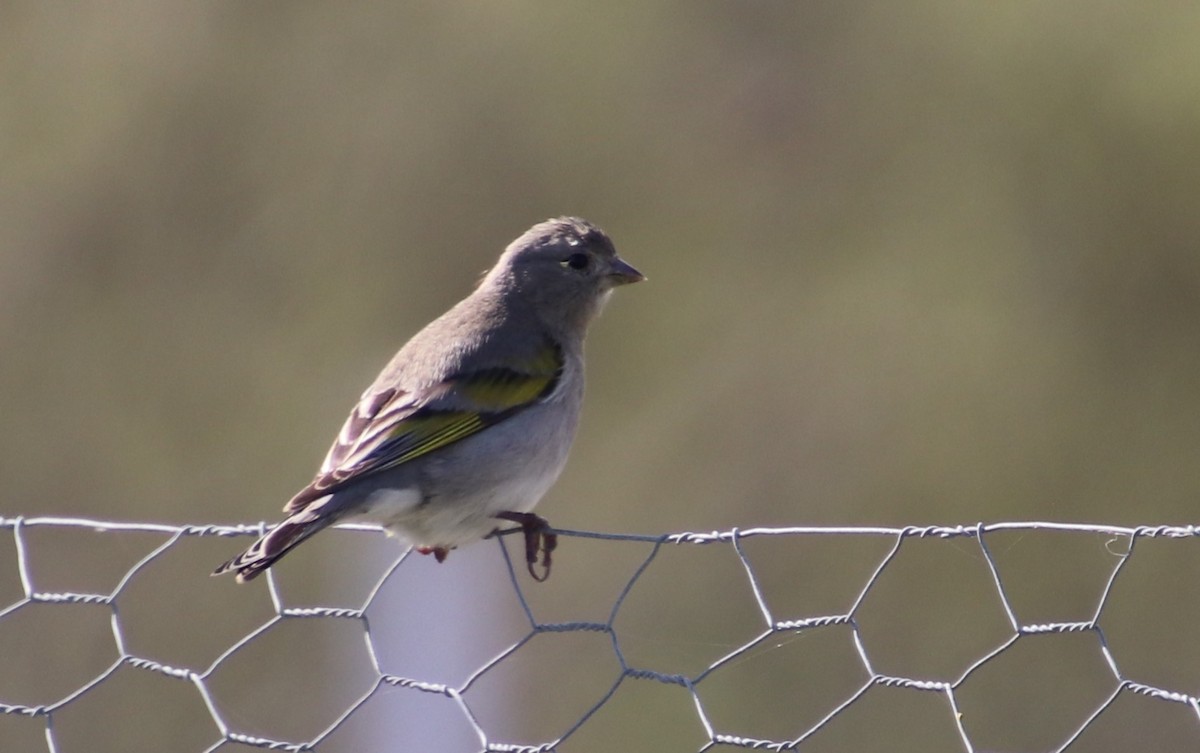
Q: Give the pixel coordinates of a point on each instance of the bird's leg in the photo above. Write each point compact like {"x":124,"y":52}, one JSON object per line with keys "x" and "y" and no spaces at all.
{"x":538,"y":538}
{"x":439,"y":552}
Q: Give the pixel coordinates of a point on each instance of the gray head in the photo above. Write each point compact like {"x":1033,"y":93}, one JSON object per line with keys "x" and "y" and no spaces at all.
{"x":564,"y":268}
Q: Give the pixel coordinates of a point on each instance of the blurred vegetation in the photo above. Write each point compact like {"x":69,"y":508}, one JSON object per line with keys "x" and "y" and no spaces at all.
{"x":909,"y":263}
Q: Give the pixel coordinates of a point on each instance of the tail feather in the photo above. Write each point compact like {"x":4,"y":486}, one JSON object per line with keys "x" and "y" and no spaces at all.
{"x":274,"y":544}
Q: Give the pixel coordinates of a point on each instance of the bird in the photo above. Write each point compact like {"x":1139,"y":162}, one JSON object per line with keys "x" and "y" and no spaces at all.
{"x":470,"y":423}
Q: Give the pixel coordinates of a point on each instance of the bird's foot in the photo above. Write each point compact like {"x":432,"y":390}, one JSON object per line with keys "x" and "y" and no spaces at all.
{"x":439,"y":552}
{"x":538,"y":538}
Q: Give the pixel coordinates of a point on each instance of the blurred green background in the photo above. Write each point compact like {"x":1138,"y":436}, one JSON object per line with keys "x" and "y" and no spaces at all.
{"x":911,"y":263}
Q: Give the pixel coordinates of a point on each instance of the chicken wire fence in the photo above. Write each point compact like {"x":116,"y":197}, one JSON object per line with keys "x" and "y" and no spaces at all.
{"x":1118,"y":672}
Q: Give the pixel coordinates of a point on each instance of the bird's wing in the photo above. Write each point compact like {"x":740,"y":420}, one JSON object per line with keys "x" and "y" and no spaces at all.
{"x":390,"y":426}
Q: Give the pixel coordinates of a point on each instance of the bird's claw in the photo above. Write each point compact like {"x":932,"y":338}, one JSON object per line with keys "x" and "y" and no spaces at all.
{"x":538,"y":539}
{"x":439,"y":552}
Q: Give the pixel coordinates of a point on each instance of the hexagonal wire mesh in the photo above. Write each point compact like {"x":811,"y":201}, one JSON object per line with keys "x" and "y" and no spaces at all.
{"x":969,"y":684}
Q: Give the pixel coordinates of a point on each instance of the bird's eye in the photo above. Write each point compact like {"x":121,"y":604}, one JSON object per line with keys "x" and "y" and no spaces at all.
{"x":576,"y":261}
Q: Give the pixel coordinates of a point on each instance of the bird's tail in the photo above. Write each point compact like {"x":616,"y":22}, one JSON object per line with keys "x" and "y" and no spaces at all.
{"x":274,"y":544}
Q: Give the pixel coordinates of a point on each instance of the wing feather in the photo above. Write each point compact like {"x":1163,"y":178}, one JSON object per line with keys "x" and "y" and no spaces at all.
{"x":390,"y":427}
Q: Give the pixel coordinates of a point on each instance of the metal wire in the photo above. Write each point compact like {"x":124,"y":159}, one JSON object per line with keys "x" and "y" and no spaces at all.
{"x":772,"y":627}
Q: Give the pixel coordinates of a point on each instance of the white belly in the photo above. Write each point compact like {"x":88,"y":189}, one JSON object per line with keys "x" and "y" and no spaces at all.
{"x":451,"y":522}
